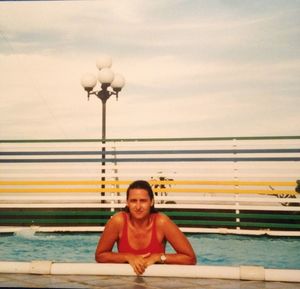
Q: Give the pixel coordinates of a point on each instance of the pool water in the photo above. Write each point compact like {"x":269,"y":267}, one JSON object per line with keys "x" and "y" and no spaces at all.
{"x":211,"y":249}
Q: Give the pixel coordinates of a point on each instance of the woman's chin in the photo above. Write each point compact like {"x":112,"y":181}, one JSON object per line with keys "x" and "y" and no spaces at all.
{"x":139,"y":215}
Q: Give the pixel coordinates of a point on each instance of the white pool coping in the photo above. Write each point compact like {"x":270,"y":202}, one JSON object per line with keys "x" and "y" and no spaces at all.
{"x":256,"y":273}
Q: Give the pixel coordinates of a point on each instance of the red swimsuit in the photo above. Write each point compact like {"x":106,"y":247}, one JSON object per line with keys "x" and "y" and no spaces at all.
{"x":154,"y":247}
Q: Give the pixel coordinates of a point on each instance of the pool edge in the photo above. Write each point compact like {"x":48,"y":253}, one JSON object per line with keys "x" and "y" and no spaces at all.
{"x":253,"y":273}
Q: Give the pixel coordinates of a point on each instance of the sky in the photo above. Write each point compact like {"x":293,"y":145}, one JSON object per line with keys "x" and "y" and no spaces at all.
{"x":192,"y":68}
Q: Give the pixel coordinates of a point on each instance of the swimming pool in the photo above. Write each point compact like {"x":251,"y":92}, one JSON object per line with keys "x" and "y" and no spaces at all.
{"x":211,"y":249}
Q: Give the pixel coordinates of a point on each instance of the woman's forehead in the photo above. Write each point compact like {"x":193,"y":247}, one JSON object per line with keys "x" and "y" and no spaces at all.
{"x":138,"y":193}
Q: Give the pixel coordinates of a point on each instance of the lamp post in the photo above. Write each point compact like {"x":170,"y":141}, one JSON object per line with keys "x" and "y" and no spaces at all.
{"x":111,"y":84}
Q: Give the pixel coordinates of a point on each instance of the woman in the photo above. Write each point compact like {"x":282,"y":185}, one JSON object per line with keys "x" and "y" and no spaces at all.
{"x":141,"y":234}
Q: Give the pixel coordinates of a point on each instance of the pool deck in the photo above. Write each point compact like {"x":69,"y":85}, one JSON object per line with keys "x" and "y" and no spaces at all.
{"x":131,"y":282}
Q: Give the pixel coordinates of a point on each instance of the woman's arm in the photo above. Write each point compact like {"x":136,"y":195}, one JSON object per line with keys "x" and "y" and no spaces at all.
{"x":185,"y":254}
{"x":107,"y":240}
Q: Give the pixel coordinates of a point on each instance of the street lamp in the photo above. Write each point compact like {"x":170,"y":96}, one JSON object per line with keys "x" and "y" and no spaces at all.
{"x":111,"y":84}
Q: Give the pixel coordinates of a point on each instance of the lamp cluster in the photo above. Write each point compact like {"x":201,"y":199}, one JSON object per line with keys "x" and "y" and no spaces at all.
{"x":106,"y":77}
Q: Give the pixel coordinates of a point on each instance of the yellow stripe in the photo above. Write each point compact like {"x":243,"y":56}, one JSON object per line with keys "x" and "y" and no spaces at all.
{"x":152,"y":182}
{"x":225,"y":183}
{"x":63,"y":190}
{"x":57,"y":183}
{"x":226,"y":191}
{"x":168,"y":190}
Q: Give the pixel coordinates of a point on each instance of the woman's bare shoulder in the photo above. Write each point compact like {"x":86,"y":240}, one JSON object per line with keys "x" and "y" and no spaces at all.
{"x":117,"y":219}
{"x":165,"y":224}
{"x":162,"y":219}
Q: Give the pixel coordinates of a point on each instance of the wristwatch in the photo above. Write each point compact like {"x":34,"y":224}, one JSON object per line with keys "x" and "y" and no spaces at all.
{"x":163,"y":258}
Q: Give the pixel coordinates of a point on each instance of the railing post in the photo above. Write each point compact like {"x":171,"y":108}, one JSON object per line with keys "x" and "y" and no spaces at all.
{"x":236,"y":178}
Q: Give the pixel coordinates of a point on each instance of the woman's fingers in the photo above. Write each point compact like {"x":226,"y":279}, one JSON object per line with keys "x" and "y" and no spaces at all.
{"x":140,"y":269}
{"x":138,"y":263}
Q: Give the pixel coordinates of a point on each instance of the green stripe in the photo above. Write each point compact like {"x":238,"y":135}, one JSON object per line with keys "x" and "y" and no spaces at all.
{"x":52,"y":221}
{"x":55,"y":213}
{"x":174,"y":214}
{"x":234,"y":215}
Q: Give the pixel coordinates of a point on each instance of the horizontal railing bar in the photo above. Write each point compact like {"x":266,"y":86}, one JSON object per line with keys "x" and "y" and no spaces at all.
{"x":171,"y":169}
{"x":228,"y":207}
{"x":145,"y":176}
{"x":182,"y":166}
{"x":151,"y":164}
{"x":68,"y":182}
{"x":151,"y":139}
{"x":179,"y":222}
{"x":37,"y":176}
{"x":55,"y":213}
{"x":185,"y":168}
{"x":134,"y":160}
{"x":158,"y":199}
{"x":147,"y":148}
{"x":152,"y":182}
{"x":52,"y":221}
{"x":167,"y":190}
{"x":187,"y":200}
{"x":233,"y":215}
{"x":35,"y":213}
{"x":76,"y":229}
{"x":235,"y":198}
{"x":159,"y":206}
{"x":239,"y":224}
{"x":149,"y":152}
{"x":23,"y":197}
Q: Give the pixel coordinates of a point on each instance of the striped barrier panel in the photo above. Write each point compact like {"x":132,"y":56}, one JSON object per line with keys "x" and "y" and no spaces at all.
{"x":236,"y":183}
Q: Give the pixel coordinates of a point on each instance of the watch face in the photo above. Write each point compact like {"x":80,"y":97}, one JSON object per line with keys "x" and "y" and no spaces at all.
{"x":163,"y":258}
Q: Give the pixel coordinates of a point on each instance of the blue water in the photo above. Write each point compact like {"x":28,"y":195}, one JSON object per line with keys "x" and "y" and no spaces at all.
{"x":211,"y":249}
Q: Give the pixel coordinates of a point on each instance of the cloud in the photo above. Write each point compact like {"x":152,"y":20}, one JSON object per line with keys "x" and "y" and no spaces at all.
{"x":192,"y":68}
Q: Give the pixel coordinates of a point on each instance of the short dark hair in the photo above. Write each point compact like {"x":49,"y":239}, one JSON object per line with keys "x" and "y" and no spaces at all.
{"x":140,"y":184}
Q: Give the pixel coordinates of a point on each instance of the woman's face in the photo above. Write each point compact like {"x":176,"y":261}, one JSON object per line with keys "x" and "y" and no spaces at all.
{"x":139,"y":203}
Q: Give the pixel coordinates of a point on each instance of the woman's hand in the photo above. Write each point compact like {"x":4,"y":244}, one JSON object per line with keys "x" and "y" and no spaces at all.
{"x":152,"y":259}
{"x":138,"y":262}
